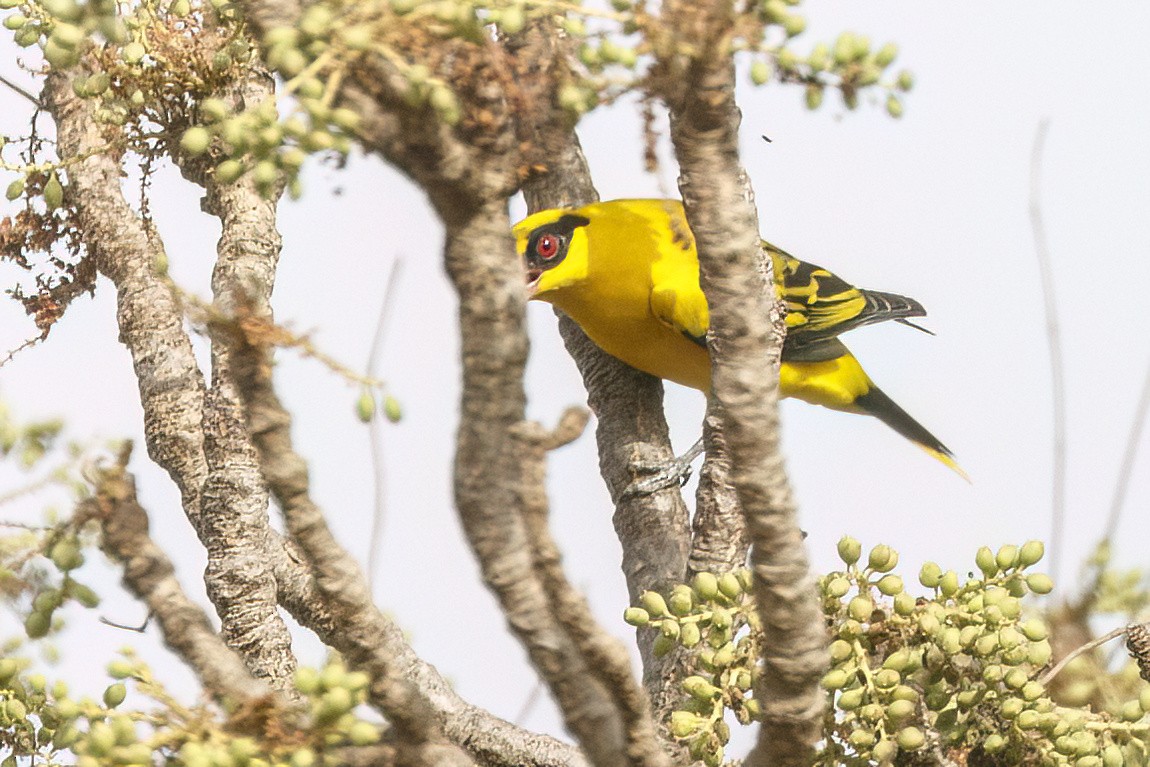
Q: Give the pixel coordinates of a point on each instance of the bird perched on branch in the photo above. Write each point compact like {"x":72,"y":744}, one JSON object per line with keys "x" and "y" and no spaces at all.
{"x":628,"y":273}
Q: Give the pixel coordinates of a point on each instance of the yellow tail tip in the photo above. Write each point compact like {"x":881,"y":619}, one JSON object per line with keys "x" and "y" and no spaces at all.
{"x":947,"y":459}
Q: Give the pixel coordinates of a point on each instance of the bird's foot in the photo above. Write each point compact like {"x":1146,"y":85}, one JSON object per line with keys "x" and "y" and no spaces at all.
{"x":673,"y":473}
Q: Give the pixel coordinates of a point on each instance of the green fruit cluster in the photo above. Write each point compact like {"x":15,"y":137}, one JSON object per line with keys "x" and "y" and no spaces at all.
{"x":850,"y":64}
{"x":956,"y":669}
{"x":714,"y":619}
{"x":63,"y":29}
{"x":45,"y":722}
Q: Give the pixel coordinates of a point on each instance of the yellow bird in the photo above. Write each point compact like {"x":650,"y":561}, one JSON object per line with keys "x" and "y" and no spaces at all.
{"x":628,"y":273}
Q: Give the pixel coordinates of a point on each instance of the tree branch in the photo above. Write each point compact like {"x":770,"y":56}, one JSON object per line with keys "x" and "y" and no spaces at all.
{"x":606,"y":658}
{"x":745,"y":341}
{"x":149,"y":575}
{"x":489,"y":481}
{"x":720,"y":541}
{"x":339,"y":581}
{"x":631,"y":432}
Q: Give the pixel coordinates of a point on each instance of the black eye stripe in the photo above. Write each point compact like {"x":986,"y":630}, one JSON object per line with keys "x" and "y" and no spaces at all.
{"x":547,"y":245}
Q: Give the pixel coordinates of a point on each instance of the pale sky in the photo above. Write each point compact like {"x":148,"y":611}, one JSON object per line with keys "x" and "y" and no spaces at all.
{"x":933,"y":206}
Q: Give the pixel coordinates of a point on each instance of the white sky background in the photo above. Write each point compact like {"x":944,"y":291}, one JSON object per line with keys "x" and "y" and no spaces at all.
{"x":933,"y":206}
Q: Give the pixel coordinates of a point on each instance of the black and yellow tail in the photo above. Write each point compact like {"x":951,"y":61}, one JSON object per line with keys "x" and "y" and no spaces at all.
{"x":876,"y":403}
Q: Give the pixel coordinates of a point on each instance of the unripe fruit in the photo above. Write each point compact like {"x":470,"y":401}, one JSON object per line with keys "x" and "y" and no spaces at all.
{"x":849,"y":550}
{"x":114,"y":695}
{"x":760,"y":72}
{"x":53,"y":196}
{"x":886,"y":54}
{"x":948,"y":584}
{"x":699,"y":688}
{"x":889,"y":585}
{"x":860,"y":608}
{"x":706,"y":585}
{"x":899,"y":710}
{"x":228,"y":171}
{"x":730,"y":586}
{"x":835,"y":679}
{"x":837,"y":588}
{"x":392,"y":409}
{"x":15,"y":189}
{"x":1040,"y":583}
{"x":882,"y":558}
{"x":689,"y":635}
{"x":196,"y":140}
{"x":37,"y":624}
{"x":851,"y":699}
{"x":681,"y":602}
{"x":365,"y":411}
{"x":930,"y":574}
{"x":894,"y":107}
{"x":653,"y":603}
{"x":133,"y":52}
{"x":684,"y":723}
{"x":813,"y":96}
{"x":1007,"y":557}
{"x":1031,"y":553}
{"x":910,"y":738}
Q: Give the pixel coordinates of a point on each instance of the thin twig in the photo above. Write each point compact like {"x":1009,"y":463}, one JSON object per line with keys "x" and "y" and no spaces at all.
{"x":1093,"y":643}
{"x":1127,"y":468}
{"x":1054,"y":341}
{"x":378,"y":464}
{"x":21,"y":91}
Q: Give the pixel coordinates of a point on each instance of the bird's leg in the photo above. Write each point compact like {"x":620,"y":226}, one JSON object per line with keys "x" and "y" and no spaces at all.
{"x":675,"y":472}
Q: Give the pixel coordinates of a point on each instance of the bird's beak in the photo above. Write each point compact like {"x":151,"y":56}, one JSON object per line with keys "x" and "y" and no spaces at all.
{"x":533,"y":276}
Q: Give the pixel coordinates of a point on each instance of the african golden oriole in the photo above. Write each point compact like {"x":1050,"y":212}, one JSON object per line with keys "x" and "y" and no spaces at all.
{"x":628,"y":273}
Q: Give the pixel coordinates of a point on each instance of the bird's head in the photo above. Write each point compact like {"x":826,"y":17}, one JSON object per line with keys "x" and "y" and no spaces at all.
{"x":553,"y":247}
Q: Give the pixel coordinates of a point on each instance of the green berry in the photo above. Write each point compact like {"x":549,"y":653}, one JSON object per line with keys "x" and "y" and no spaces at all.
{"x":654,"y":604}
{"x":849,"y":700}
{"x":890,"y":585}
{"x":1031,"y":553}
{"x":849,"y":550}
{"x":835,"y":679}
{"x":813,"y":96}
{"x":900,"y":709}
{"x":910,"y":738}
{"x":894,"y":107}
{"x":53,"y":194}
{"x":1007,"y":557}
{"x":838,"y":587}
{"x":196,"y":140}
{"x":882,"y":558}
{"x":706,"y":586}
{"x":930,"y":574}
{"x":1040,"y":583}
{"x":860,"y":608}
{"x":886,"y":54}
{"x":948,"y":583}
{"x":760,"y":72}
{"x":114,"y":695}
{"x":681,"y":601}
{"x":730,"y":586}
{"x":37,"y":624}
{"x":15,"y":189}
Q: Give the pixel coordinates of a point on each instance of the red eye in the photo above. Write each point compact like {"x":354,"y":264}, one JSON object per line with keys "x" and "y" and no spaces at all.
{"x":547,"y":246}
